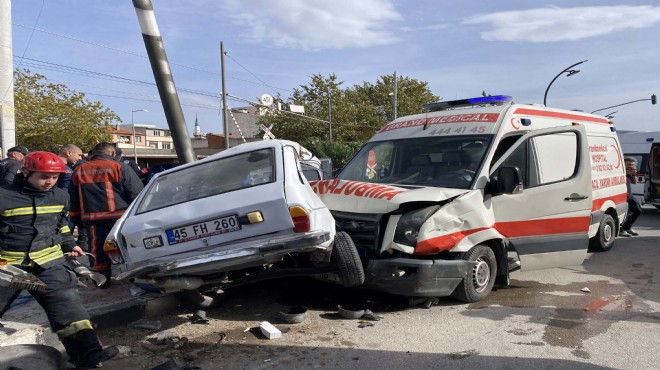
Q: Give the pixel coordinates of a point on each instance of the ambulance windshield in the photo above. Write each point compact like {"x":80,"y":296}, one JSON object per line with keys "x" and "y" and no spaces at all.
{"x":448,"y":162}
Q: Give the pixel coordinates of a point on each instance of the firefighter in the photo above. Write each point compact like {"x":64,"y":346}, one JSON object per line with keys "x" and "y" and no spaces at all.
{"x":35,"y":237}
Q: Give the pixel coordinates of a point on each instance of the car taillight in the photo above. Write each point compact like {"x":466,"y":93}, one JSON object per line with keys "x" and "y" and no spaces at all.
{"x":300,"y":219}
{"x":111,"y":249}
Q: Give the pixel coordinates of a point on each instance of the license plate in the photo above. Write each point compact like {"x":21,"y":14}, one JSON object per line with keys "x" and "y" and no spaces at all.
{"x":203,"y":229}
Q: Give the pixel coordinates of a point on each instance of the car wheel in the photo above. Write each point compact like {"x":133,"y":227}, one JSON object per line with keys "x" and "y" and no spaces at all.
{"x":30,"y":356}
{"x":604,"y":239}
{"x":479,"y":281}
{"x":345,"y":257}
{"x":194,"y":300}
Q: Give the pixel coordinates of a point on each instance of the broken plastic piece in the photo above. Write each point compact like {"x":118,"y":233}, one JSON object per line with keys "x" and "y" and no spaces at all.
{"x":366,"y":324}
{"x":585,"y":290}
{"x":369,"y":315}
{"x":199,"y":317}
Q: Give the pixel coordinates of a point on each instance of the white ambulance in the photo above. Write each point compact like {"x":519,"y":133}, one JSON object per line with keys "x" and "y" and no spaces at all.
{"x":644,"y":146}
{"x":450,"y":201}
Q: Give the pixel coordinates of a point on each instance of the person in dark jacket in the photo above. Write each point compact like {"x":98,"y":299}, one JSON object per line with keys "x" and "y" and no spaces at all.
{"x":34,"y":237}
{"x":634,"y":208}
{"x":11,"y":166}
{"x":70,"y":154}
{"x":126,"y":160}
{"x":101,"y":190}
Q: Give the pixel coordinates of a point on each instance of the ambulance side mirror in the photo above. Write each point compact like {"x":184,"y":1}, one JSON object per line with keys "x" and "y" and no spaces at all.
{"x":507,"y":180}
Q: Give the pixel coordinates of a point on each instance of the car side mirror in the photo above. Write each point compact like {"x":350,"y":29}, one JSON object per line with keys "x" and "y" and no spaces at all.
{"x":507,"y":180}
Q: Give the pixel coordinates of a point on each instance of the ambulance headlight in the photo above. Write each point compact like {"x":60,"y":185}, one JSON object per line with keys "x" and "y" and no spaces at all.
{"x":407,"y":229}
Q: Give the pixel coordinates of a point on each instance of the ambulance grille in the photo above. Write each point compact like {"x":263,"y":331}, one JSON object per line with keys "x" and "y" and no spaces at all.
{"x":363,"y":228}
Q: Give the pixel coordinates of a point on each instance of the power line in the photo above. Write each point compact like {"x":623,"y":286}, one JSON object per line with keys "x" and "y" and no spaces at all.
{"x":72,"y":38}
{"x":255,"y":76}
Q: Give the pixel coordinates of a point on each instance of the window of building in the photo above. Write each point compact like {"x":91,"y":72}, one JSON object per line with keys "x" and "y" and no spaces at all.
{"x":167,"y":146}
{"x":138,"y":139}
{"x":153,"y":144}
{"x":157,"y":133}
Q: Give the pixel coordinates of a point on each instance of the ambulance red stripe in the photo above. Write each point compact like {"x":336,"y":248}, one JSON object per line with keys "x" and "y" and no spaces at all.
{"x":542,"y":113}
{"x":512,"y":229}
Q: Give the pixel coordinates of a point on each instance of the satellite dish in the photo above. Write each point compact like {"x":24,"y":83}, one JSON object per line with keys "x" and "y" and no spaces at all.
{"x":266,"y":100}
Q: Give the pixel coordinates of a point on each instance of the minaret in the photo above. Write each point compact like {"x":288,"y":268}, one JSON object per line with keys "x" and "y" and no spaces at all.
{"x":198,"y":129}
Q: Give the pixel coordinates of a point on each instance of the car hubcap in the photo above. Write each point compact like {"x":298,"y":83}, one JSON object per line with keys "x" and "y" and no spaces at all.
{"x":607,"y":232}
{"x":481,"y":274}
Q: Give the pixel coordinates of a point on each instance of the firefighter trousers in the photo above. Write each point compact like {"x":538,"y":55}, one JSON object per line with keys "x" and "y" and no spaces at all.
{"x":65,"y":311}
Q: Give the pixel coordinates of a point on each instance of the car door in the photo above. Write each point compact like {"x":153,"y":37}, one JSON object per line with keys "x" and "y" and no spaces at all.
{"x":220,"y":204}
{"x":652,"y":189}
{"x":548,"y":222}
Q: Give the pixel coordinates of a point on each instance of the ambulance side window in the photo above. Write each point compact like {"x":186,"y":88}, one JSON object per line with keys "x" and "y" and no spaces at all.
{"x":555,"y":158}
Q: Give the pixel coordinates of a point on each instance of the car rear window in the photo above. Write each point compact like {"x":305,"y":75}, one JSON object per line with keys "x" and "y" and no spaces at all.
{"x":210,"y":178}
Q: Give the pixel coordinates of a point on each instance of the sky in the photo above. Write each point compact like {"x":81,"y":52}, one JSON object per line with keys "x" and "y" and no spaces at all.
{"x":461,"y":48}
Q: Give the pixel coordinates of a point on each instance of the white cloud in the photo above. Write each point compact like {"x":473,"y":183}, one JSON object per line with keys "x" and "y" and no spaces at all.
{"x":316,"y":24}
{"x":561,"y":24}
{"x":433,"y":27}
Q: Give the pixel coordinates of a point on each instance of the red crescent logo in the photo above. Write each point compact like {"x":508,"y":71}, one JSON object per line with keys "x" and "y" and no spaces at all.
{"x":514,"y":123}
{"x":618,"y":156}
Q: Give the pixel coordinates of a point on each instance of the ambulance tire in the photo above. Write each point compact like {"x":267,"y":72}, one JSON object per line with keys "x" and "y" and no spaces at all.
{"x":479,"y":282}
{"x":347,"y":260}
{"x":604,"y":239}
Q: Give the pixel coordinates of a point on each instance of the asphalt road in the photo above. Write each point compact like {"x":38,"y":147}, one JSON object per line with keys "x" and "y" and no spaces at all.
{"x":543,"y":321}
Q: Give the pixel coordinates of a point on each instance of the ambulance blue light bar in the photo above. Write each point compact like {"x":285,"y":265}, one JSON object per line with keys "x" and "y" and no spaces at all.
{"x":482,"y":100}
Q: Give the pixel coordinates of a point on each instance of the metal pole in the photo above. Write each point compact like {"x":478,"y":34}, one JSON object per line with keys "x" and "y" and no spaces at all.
{"x":395,"y":101}
{"x":545,"y":96}
{"x":652,"y":99}
{"x":134,"y":145}
{"x":164,"y":80}
{"x":7,"y":122}
{"x":225,"y":121}
{"x":330,"y":116}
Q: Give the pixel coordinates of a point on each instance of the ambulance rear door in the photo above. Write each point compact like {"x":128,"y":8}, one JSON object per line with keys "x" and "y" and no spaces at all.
{"x":547,"y":222}
{"x":652,"y":189}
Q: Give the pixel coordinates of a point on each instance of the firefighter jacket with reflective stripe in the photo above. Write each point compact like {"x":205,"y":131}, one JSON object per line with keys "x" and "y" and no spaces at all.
{"x":33,"y":225}
{"x":101,"y":189}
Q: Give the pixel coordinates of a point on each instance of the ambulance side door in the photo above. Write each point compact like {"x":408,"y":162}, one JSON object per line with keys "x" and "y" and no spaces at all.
{"x":547,"y":222}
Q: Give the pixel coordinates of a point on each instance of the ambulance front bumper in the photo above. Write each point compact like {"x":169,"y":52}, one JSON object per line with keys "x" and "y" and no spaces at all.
{"x":413,"y":277}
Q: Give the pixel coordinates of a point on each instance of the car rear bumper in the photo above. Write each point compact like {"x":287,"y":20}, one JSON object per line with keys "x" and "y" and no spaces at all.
{"x":260,"y":252}
{"x":413,"y":277}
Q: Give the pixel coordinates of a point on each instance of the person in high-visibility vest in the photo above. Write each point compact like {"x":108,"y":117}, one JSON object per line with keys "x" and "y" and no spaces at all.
{"x":35,"y":236}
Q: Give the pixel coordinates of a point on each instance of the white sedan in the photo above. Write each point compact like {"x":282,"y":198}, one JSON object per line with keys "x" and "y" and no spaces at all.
{"x":245,"y":214}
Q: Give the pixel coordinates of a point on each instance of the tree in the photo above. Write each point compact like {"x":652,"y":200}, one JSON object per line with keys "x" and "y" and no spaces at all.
{"x":50,"y":115}
{"x":357,"y":112}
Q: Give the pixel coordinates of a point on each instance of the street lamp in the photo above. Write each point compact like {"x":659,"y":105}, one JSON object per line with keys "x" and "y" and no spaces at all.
{"x":133,"y":126}
{"x":652,"y":99}
{"x":569,"y":72}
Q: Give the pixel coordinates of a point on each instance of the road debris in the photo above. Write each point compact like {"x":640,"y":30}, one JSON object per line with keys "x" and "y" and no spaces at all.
{"x":124,"y":351}
{"x":427,"y":301}
{"x":349,"y":314}
{"x":295,"y":315}
{"x":585,"y":290}
{"x":365,"y":324}
{"x":164,"y":337}
{"x":180,"y":342}
{"x":270,"y":331}
{"x":199,"y":317}
{"x":146,"y":324}
{"x":369,"y":315}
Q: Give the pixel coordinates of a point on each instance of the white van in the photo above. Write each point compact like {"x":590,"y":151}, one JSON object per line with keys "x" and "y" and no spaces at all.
{"x":448,"y":202}
{"x":639,"y":145}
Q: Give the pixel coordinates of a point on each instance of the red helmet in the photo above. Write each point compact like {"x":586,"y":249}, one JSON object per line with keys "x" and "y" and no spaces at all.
{"x":43,"y":162}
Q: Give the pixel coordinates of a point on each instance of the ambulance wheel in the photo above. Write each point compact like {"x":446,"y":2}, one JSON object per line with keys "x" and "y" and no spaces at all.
{"x":347,"y":260}
{"x":479,"y":281}
{"x":604,"y":239}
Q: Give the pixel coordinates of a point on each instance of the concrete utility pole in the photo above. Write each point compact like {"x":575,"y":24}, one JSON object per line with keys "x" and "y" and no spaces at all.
{"x":395,"y":102}
{"x":7,"y":122}
{"x":164,"y":80}
{"x":225,"y":121}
